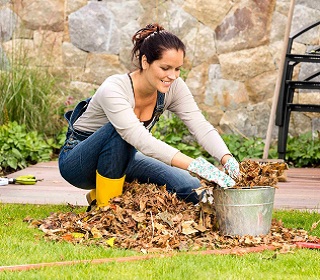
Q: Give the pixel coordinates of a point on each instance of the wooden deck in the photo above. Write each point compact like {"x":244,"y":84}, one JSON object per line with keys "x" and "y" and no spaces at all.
{"x":300,"y":191}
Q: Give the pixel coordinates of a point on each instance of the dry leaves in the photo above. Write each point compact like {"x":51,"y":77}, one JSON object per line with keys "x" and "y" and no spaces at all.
{"x":254,"y":173}
{"x":149,"y":219}
{"x":314,"y":225}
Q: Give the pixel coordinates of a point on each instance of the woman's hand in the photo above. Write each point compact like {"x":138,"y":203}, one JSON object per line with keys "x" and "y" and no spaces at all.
{"x":211,"y":173}
{"x":232,"y":167}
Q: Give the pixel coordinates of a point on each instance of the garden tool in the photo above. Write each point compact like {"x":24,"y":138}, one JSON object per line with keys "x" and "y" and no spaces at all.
{"x":106,"y":189}
{"x":20,"y":180}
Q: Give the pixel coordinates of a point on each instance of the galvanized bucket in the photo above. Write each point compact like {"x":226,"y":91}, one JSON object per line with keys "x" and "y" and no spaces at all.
{"x":246,"y":211}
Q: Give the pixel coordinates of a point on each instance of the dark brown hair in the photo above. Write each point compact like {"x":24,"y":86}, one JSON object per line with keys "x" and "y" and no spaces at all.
{"x":152,"y":41}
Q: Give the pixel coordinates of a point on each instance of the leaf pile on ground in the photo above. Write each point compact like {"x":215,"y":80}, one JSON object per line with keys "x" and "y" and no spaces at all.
{"x":149,"y":219}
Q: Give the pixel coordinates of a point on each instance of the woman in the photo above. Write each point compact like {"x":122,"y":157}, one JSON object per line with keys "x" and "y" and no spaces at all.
{"x":109,"y":139}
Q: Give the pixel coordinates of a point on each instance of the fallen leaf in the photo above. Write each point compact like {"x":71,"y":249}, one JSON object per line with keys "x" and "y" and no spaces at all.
{"x":77,"y":235}
{"x":187,"y":227}
{"x":314,"y":225}
{"x":110,"y":241}
{"x":96,"y":233}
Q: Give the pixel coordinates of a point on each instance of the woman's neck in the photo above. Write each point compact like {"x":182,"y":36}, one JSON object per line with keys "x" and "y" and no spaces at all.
{"x":142,"y":89}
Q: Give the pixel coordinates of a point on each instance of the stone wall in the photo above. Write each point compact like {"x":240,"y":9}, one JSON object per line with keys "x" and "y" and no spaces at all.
{"x":233,"y":48}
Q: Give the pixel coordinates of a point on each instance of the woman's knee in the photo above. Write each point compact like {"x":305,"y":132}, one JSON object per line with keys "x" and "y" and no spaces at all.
{"x":115,"y":153}
{"x":114,"y":142}
{"x":186,"y":188}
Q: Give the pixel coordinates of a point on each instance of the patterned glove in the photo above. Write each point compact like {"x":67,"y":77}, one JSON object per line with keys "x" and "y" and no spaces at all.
{"x":211,"y":173}
{"x":232,"y":167}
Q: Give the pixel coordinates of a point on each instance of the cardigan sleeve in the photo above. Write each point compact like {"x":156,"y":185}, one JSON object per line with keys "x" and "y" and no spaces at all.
{"x":184,"y":106}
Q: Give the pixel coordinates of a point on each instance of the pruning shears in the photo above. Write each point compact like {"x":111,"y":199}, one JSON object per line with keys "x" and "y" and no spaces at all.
{"x":20,"y":180}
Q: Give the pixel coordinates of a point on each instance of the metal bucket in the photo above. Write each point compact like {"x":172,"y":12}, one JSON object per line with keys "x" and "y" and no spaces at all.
{"x":246,"y":211}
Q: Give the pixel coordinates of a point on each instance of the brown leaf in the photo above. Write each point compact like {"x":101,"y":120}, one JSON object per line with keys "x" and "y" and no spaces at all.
{"x":187,"y":227}
{"x":314,"y":225}
{"x":166,"y":217}
{"x":139,"y":217}
{"x":96,"y":233}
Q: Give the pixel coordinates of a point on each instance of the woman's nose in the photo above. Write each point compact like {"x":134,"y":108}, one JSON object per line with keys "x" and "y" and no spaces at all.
{"x":172,"y":75}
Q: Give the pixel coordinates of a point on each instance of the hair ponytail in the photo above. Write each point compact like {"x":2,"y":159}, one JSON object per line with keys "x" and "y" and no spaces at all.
{"x":152,"y":41}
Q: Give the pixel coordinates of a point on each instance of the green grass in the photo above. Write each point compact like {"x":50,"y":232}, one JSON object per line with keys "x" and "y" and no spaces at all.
{"x":21,"y":244}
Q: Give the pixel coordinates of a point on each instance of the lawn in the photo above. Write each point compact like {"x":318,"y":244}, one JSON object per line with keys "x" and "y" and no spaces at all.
{"x":21,"y":244}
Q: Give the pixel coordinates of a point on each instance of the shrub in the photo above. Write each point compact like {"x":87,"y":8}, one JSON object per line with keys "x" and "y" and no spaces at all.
{"x":19,"y":148}
{"x":247,"y":147}
{"x":302,"y":151}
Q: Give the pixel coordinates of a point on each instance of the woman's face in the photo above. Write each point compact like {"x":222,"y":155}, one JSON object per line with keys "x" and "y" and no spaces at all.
{"x":162,"y":72}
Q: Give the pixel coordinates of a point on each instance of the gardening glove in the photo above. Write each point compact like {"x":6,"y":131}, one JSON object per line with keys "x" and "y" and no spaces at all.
{"x":232,"y":168}
{"x":211,"y":173}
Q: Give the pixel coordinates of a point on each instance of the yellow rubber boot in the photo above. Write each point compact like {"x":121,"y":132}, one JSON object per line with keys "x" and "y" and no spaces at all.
{"x":91,"y":196}
{"x":107,"y":188}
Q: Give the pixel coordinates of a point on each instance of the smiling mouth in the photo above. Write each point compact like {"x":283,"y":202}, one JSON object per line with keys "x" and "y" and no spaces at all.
{"x":166,"y":83}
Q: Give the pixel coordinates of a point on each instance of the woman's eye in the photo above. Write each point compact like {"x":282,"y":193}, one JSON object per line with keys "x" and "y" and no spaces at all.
{"x":167,"y":69}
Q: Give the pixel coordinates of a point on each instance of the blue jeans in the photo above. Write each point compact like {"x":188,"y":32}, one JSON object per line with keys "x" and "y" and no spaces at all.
{"x":106,"y":152}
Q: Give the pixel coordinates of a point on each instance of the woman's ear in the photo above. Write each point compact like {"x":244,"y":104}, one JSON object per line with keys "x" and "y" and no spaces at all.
{"x":144,"y":62}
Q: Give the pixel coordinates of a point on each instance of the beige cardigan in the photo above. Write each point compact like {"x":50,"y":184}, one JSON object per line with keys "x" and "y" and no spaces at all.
{"x":114,"y":102}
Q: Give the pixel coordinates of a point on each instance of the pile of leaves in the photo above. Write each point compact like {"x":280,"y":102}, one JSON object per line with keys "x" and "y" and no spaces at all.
{"x":147,"y":218}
